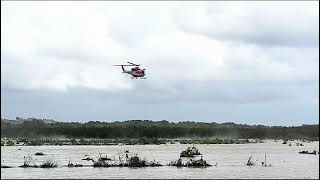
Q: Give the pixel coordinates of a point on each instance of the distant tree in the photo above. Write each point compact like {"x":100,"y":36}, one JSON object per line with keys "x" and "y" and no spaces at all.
{"x":153,"y":129}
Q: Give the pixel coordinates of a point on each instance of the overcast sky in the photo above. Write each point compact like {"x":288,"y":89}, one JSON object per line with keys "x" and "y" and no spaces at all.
{"x":245,"y":62}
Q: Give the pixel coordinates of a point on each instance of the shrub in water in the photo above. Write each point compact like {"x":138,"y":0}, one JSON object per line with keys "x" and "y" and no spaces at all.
{"x":190,"y":152}
{"x":135,"y":161}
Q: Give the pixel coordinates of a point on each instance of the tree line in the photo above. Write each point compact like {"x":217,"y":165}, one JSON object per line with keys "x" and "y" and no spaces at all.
{"x":154,"y":129}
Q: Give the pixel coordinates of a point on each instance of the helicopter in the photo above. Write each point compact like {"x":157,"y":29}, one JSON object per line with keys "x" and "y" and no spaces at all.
{"x":135,"y":72}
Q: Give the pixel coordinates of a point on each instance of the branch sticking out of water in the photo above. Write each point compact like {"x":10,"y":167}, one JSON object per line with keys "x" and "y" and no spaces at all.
{"x":28,"y":162}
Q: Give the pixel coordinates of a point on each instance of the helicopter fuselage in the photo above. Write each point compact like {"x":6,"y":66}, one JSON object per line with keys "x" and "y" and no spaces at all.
{"x":134,"y":72}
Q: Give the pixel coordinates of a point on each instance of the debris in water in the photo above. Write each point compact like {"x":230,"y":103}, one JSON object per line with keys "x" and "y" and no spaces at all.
{"x":249,"y":162}
{"x":265,"y":161}
{"x":307,"y":152}
{"x":39,"y":154}
{"x":285,"y":141}
{"x":87,"y":159}
{"x":105,"y":158}
{"x":5,"y":166}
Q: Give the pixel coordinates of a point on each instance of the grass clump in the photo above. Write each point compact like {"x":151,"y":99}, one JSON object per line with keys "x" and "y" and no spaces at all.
{"x":124,"y":161}
{"x":177,"y":163}
{"x":70,"y":164}
{"x":28,"y":162}
{"x":189,"y":163}
{"x":49,"y":163}
{"x":101,"y":162}
{"x":197,"y":163}
{"x":154,"y":163}
{"x":136,"y":161}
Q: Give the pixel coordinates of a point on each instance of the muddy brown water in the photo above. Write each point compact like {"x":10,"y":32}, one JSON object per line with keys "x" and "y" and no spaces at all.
{"x":231,"y":160}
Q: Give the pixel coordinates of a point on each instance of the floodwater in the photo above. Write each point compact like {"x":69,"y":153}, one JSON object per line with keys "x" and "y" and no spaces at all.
{"x":231,"y":160}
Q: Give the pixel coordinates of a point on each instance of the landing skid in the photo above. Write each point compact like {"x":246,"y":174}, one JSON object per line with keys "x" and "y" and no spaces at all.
{"x":137,"y":78}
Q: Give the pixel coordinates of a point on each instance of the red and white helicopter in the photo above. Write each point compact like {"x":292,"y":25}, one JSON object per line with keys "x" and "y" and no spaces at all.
{"x":135,"y":72}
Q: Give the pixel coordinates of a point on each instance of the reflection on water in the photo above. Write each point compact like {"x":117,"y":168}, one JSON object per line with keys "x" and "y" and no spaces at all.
{"x":231,"y":158}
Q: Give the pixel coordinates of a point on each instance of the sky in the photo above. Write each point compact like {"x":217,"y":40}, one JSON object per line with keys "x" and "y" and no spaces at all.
{"x":212,"y":61}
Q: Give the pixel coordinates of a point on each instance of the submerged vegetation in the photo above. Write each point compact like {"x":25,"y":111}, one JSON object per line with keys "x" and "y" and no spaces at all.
{"x":133,"y":161}
{"x":74,"y":165}
{"x":70,"y":164}
{"x":28,"y":161}
{"x":190,"y":152}
{"x":49,"y":163}
{"x":189,"y":163}
{"x":149,"y":132}
{"x":123,"y":160}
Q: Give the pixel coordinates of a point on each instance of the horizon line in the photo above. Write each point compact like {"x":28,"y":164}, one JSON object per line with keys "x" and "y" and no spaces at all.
{"x":181,"y":121}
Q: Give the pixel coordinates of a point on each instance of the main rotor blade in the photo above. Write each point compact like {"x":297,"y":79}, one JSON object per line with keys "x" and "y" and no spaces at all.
{"x":133,"y":64}
{"x":124,"y":65}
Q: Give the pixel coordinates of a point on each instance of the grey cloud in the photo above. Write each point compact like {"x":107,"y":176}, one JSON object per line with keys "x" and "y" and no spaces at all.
{"x":84,"y":105}
{"x":63,"y":54}
{"x":265,"y":65}
{"x":267,"y":39}
{"x":274,"y":25}
{"x":233,"y":92}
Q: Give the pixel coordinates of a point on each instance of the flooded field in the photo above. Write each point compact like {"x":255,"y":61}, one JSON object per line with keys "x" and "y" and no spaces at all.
{"x":231,"y":160}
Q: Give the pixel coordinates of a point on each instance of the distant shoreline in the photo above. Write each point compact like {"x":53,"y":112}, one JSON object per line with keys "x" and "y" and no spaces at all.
{"x":141,"y":141}
{"x":41,"y":131}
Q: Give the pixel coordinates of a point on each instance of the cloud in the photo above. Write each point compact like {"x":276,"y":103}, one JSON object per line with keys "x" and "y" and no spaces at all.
{"x":263,"y":23}
{"x":193,"y":51}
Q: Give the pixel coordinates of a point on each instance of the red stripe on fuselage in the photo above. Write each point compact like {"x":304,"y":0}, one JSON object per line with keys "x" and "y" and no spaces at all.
{"x":137,"y":73}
